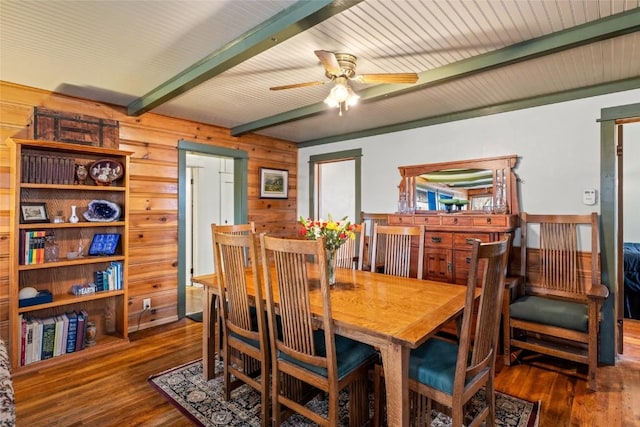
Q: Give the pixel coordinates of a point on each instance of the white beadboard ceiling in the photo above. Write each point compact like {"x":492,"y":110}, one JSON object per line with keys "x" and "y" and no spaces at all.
{"x":472,"y":57}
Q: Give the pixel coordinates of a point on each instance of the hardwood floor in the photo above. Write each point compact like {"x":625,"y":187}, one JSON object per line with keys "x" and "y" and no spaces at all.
{"x":113,"y":390}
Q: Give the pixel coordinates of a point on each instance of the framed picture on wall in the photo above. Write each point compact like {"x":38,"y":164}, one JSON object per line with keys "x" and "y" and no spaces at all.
{"x":274,"y":183}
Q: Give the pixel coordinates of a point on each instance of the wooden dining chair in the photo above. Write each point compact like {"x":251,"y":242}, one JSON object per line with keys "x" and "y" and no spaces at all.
{"x":370,"y":219}
{"x":451,"y":373}
{"x":350,"y":253}
{"x":396,"y":241}
{"x":306,"y":349}
{"x":245,"y":347}
{"x":556,"y":311}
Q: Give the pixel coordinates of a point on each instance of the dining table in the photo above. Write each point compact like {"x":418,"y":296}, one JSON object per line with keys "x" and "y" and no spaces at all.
{"x":394,"y":314}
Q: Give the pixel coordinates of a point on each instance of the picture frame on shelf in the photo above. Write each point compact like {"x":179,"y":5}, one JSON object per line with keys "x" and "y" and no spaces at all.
{"x":274,"y":183}
{"x":33,"y":212}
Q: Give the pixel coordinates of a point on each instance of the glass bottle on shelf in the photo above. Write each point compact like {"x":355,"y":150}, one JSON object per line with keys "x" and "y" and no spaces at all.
{"x":500,"y":205}
{"x":50,"y":248}
{"x":402,"y":202}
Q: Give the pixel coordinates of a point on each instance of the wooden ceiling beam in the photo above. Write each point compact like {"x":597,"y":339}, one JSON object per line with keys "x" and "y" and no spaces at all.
{"x":295,"y":19}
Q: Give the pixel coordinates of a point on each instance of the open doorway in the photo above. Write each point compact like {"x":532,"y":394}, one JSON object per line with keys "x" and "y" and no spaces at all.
{"x":629,"y":205}
{"x":192,"y":251}
{"x":209,"y":201}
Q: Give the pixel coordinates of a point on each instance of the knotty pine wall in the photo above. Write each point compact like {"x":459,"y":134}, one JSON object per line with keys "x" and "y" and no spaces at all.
{"x":153,"y":235}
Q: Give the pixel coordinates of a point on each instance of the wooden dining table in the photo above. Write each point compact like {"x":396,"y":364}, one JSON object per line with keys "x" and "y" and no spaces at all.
{"x":394,"y":314}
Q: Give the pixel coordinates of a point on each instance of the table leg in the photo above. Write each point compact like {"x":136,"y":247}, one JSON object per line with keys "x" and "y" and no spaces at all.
{"x":395,"y":360}
{"x":209,"y":340}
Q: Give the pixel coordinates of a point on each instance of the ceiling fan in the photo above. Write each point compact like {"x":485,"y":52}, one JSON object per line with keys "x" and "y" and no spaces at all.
{"x":340,"y":68}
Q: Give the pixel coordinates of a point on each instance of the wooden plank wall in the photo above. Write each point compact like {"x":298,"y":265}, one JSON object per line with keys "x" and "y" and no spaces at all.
{"x":153,"y":239}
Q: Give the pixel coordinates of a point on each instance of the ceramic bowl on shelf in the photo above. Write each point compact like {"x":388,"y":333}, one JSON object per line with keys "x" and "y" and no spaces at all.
{"x":73,"y":255}
{"x":105,"y":171}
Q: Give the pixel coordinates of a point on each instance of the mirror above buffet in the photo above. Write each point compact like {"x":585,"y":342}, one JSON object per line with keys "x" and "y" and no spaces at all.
{"x":483,"y":186}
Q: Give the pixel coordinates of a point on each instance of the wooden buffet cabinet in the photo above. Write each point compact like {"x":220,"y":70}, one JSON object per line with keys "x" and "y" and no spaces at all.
{"x":448,"y":234}
{"x":447,"y":245}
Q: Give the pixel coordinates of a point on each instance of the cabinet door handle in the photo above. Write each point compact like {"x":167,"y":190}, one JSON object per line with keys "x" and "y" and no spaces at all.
{"x":436,"y":239}
{"x":470,"y":240}
{"x":455,"y":220}
{"x":468,"y":260}
{"x":488,"y":220}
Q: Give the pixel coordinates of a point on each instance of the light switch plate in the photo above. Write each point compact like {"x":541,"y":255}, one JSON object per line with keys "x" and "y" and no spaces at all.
{"x":589,"y":196}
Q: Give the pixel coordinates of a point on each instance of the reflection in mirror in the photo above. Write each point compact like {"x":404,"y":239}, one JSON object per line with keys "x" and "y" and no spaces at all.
{"x":455,"y":189}
{"x":486,"y":185}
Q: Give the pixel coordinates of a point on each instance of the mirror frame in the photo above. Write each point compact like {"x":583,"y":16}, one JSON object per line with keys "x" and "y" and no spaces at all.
{"x":502,"y":167}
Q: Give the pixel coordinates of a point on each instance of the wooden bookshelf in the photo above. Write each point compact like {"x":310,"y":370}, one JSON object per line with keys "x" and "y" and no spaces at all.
{"x":106,"y":308}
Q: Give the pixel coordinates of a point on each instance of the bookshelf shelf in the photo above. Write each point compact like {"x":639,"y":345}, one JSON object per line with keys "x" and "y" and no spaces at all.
{"x":64,"y":299}
{"x":51,"y":226}
{"x":67,"y":263}
{"x":42,"y":174}
{"x":74,"y":187}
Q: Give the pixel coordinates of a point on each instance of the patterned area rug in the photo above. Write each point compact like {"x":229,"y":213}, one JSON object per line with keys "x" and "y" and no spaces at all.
{"x":203,"y":402}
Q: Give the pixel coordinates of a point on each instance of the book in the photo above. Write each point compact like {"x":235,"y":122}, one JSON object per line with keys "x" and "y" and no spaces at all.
{"x":23,"y":338}
{"x":82,"y":329}
{"x":72,"y":332}
{"x":48,"y":338}
{"x":57,"y":347}
{"x":29,"y":343}
{"x":36,"y":355}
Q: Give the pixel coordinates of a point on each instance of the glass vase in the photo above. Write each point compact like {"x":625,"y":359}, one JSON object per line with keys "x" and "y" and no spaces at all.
{"x":331,"y":266}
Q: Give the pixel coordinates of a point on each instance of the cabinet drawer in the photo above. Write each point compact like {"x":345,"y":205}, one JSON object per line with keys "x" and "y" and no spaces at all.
{"x":436,"y":239}
{"x":462,"y":262}
{"x":490,"y":221}
{"x":400,"y":219}
{"x":463,"y":240}
{"x":457,"y":220}
{"x":426,"y":220}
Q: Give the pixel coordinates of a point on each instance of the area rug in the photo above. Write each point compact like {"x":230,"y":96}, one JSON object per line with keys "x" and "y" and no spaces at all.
{"x":203,"y":402}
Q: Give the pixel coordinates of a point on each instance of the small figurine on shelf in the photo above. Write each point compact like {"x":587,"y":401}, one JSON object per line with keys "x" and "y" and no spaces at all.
{"x":90,"y":337}
{"x":81,"y":173}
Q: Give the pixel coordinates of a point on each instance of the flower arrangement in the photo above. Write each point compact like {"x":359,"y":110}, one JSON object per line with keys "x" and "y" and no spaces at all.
{"x":335,"y":233}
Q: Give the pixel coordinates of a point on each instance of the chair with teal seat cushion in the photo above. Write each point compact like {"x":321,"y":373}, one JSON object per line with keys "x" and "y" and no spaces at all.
{"x":308,"y":355}
{"x":563,"y":314}
{"x":556,"y":309}
{"x":245,"y":344}
{"x":452,"y":373}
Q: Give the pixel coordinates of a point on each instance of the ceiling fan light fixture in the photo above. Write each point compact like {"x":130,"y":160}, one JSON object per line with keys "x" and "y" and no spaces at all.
{"x":341,"y":95}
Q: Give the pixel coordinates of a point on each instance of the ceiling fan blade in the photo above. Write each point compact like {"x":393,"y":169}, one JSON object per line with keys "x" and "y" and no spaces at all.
{"x":329,"y":61}
{"x":295,"y":85}
{"x":387,"y":78}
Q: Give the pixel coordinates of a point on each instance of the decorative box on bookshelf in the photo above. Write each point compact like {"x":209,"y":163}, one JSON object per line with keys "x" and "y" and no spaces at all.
{"x":64,"y":258}
{"x":51,"y":125}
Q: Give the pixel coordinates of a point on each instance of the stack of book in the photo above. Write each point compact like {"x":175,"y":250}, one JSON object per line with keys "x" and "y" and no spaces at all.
{"x":46,"y":169}
{"x":44,"y":338}
{"x":31,"y":249}
{"x":109,"y":279}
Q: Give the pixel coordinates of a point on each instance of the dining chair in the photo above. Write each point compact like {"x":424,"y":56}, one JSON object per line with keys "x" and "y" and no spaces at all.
{"x":556,"y":310}
{"x":245,"y":347}
{"x":451,"y":373}
{"x":350,"y":253}
{"x":396,"y":242}
{"x":370,"y":219}
{"x":307,"y":349}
